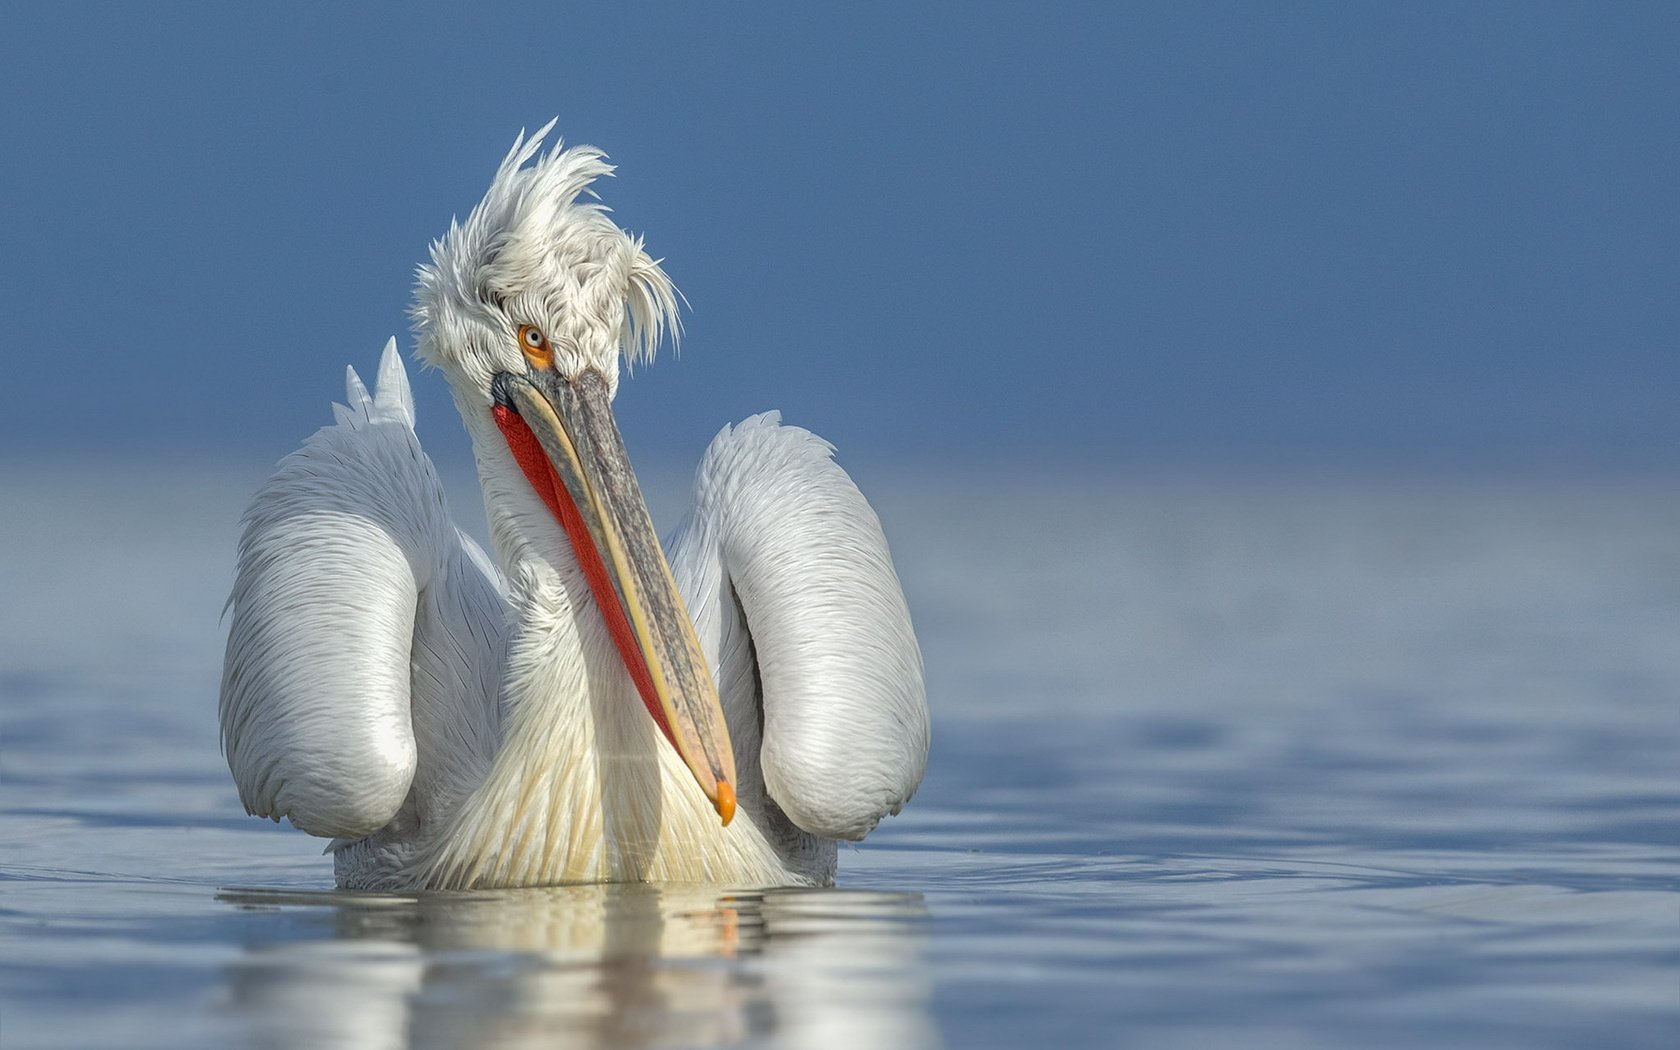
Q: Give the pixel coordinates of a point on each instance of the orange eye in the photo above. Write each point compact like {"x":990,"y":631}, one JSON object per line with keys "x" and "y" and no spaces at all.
{"x":535,"y":345}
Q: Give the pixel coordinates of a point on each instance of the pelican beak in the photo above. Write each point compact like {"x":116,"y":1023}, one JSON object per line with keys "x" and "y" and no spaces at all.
{"x":581,"y":470}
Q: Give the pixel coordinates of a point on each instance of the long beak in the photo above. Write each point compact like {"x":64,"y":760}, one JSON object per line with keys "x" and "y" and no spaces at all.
{"x":601,"y":507}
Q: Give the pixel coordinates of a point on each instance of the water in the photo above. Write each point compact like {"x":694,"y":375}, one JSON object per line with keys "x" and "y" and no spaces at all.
{"x":1219,"y":760}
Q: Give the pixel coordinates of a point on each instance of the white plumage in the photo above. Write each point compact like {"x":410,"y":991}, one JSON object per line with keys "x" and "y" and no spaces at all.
{"x":450,"y":726}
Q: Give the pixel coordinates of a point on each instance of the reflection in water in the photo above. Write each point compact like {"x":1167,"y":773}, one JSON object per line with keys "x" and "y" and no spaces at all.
{"x":585,"y":966}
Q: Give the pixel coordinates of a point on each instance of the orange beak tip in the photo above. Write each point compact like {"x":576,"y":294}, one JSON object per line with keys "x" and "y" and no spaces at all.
{"x":725,"y":801}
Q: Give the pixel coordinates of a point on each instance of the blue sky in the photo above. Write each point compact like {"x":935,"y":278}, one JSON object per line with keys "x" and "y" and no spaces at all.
{"x":1433,"y":233}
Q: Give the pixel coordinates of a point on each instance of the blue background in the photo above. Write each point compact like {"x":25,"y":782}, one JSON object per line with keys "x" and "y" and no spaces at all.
{"x":998,"y":233}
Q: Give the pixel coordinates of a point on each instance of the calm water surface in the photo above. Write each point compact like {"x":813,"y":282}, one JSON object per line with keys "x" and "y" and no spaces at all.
{"x":1218,"y":760}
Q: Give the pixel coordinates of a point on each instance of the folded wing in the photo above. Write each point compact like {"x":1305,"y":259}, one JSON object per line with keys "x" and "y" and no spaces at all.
{"x":365,"y":643}
{"x":779,"y":530}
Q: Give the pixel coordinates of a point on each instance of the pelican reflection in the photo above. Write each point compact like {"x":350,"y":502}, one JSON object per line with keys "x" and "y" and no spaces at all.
{"x":603,"y":965}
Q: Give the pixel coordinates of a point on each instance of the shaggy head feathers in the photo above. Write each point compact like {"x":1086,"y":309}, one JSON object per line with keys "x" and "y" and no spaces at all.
{"x":532,"y":253}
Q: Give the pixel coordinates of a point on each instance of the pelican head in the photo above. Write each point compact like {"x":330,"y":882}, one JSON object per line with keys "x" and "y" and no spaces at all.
{"x":527,"y":309}
{"x":533,"y":254}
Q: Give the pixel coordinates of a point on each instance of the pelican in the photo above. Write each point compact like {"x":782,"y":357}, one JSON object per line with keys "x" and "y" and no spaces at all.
{"x":583,"y":710}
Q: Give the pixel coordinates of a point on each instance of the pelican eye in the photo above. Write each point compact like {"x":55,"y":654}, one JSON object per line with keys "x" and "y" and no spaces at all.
{"x":535,"y":345}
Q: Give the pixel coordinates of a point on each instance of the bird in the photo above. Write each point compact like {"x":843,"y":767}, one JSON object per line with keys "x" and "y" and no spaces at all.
{"x":589,"y":706}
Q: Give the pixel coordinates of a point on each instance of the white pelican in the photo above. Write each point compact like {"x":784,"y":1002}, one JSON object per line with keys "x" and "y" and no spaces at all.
{"x":449,"y":726}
